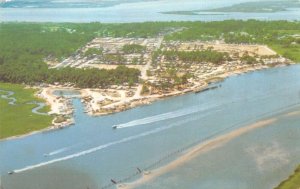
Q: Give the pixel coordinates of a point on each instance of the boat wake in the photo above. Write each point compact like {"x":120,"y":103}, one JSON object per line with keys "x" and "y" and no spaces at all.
{"x":95,"y":149}
{"x":156,"y":118}
{"x":194,"y":109}
{"x":56,"y":152}
{"x":163,"y":117}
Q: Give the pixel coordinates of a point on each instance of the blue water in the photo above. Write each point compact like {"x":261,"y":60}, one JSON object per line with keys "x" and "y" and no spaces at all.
{"x":259,"y":159}
{"x":120,"y":11}
{"x":92,"y":151}
{"x":64,"y":3}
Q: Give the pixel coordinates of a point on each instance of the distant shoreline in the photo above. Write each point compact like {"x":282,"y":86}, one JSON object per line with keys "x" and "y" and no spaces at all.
{"x":191,"y":13}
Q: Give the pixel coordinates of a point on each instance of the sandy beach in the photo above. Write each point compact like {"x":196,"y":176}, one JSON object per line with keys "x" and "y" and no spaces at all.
{"x":201,"y":148}
{"x":291,"y":114}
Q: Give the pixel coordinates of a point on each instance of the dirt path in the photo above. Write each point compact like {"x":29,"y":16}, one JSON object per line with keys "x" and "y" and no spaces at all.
{"x":144,"y":70}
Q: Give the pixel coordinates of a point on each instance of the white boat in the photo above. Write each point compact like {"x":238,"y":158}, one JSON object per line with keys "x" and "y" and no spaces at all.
{"x":10,"y":172}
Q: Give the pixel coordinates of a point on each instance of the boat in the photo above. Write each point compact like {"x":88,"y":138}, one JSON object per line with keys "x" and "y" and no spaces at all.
{"x":113,"y":181}
{"x":201,"y":90}
{"x":11,"y":172}
{"x":214,"y":87}
{"x":115,"y":126}
{"x":208,"y":89}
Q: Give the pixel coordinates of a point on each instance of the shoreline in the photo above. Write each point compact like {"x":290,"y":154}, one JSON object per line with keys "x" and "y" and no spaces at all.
{"x":145,"y":100}
{"x":192,"y":153}
{"x":55,"y":102}
{"x":210,"y":144}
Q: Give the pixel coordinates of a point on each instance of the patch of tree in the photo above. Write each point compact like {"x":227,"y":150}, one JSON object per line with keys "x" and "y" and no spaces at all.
{"x":93,"y":52}
{"x":114,"y":58}
{"x":133,"y":48}
{"x":248,"y":59}
{"x":83,"y":78}
{"x":279,"y":35}
{"x":196,"y":56}
{"x":136,"y":60}
{"x":25,"y":46}
{"x":145,"y":90}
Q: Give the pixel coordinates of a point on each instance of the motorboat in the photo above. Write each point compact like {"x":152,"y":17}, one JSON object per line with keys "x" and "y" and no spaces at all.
{"x":11,"y":172}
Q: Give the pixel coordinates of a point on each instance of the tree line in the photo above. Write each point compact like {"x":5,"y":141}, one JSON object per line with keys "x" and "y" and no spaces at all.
{"x":196,"y":56}
{"x":24,"y":47}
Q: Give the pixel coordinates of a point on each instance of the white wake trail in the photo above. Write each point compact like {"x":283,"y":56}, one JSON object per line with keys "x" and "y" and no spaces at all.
{"x":57,"y":152}
{"x":194,"y":109}
{"x":91,"y":150}
{"x":162,"y":117}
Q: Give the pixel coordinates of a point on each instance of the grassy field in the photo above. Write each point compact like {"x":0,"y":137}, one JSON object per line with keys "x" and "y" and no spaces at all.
{"x":293,"y":182}
{"x":18,"y":119}
{"x":292,"y":53}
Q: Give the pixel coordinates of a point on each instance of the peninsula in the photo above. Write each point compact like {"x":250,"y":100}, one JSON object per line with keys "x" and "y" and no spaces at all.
{"x":115,"y":68}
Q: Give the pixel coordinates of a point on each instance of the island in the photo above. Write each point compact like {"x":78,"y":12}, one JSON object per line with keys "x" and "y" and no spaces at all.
{"x":246,"y":7}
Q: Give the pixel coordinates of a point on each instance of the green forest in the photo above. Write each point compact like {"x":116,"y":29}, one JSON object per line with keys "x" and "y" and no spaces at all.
{"x":281,"y":36}
{"x":196,"y":56}
{"x":25,"y":46}
{"x":133,"y":48}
